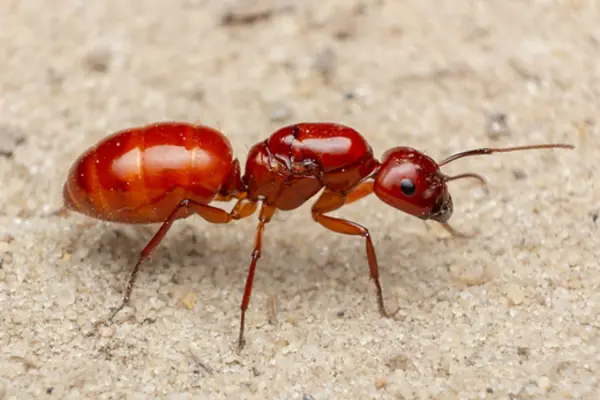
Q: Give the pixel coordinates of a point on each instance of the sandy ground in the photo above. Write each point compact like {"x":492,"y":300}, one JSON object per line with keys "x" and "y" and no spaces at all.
{"x":512,"y":313}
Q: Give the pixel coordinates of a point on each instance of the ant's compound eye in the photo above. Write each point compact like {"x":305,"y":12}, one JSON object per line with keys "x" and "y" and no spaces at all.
{"x":408,"y":187}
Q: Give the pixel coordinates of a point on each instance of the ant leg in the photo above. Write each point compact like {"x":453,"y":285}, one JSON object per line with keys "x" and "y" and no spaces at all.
{"x":331,"y":201}
{"x":362,"y":190}
{"x":243,"y":208}
{"x":266,"y":213}
{"x":456,"y":233}
{"x":184,"y":209}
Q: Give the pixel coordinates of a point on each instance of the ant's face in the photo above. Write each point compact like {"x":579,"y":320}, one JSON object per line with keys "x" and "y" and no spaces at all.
{"x":411,"y":182}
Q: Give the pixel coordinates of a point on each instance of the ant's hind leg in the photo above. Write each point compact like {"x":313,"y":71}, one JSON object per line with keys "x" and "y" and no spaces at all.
{"x":331,"y":201}
{"x":184,"y":209}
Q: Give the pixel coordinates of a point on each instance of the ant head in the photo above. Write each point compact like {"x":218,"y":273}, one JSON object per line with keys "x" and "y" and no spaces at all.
{"x":410,"y":181}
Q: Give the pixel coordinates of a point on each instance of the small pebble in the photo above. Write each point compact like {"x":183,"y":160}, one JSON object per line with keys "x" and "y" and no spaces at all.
{"x":519,"y":174}
{"x":325,"y":62}
{"x":523,"y":352}
{"x":10,"y":139}
{"x":544,"y":383}
{"x":97,"y":60}
{"x":470,"y":275}
{"x":381,"y":383}
{"x":497,"y":126}
{"x":107,"y":331}
{"x":81,"y":321}
{"x":515,"y":293}
{"x":246,"y":12}
{"x":532,"y":389}
{"x":594,"y":216}
{"x":343,"y":24}
{"x":189,"y":300}
{"x":399,"y":362}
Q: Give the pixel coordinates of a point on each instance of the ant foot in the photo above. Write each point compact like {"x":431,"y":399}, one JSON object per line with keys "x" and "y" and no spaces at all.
{"x":240,"y":345}
{"x":107,"y":321}
{"x":386,"y":314}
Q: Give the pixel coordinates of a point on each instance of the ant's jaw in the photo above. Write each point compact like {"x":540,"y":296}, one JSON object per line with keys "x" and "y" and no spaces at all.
{"x":443,"y":209}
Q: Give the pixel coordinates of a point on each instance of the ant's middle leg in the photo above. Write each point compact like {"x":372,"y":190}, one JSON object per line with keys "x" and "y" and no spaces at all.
{"x":266,"y":213}
{"x":330,"y":201}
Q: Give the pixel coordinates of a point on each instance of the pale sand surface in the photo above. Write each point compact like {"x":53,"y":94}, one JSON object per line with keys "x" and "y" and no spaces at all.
{"x":513,"y":313}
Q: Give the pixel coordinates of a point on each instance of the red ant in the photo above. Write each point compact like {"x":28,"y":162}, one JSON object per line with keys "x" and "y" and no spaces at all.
{"x":166,"y":171}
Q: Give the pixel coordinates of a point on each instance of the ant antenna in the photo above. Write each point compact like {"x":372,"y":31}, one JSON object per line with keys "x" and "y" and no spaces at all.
{"x":467,"y":175}
{"x":487,"y":150}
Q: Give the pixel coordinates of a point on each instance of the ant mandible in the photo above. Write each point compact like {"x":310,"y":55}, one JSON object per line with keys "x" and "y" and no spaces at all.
{"x":167,"y":171}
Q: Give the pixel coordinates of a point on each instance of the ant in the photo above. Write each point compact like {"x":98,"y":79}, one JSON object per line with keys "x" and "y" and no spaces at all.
{"x":171,"y":170}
